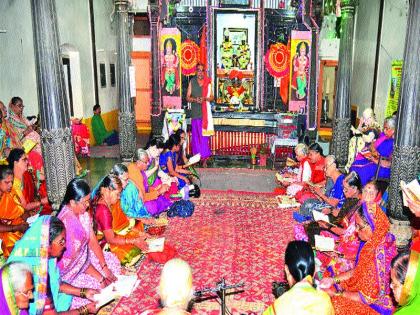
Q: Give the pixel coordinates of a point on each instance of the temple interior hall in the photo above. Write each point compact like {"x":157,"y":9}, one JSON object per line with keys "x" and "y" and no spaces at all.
{"x":248,"y":157}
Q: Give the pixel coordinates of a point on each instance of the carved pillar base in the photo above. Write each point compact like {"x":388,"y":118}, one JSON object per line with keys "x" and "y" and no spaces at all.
{"x":340,"y":140}
{"x":58,"y":153}
{"x":402,"y":232}
{"x":127,"y":123}
{"x":405,"y":164}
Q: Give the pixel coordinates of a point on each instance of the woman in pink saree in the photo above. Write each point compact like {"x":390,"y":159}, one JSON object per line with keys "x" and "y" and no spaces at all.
{"x":83,"y":263}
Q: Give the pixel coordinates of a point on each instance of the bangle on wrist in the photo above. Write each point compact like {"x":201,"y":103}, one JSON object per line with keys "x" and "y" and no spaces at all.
{"x":83,"y":293}
{"x":336,"y":280}
{"x":103,"y":280}
{"x":83,"y":310}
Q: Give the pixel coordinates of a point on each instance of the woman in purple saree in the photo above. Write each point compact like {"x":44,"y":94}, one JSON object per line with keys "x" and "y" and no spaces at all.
{"x":366,"y":162}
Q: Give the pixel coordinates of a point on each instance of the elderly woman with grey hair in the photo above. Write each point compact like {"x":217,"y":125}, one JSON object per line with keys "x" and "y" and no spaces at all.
{"x":16,"y":288}
{"x":175,"y":289}
{"x":376,"y":162}
{"x":154,"y":198}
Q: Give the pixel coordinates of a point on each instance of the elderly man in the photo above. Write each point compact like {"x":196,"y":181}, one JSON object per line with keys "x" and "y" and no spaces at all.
{"x":16,"y":288}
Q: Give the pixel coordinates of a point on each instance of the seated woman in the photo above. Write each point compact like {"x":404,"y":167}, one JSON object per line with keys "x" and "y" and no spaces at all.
{"x":154,"y":148}
{"x":334,"y":194}
{"x":302,"y":298}
{"x":175,"y":289}
{"x":376,"y":162}
{"x":131,"y":202}
{"x":81,"y":137}
{"x":83,"y":262}
{"x":367,"y":132}
{"x":181,"y":156}
{"x":405,"y":282}
{"x":294,"y":181}
{"x":365,"y":289}
{"x":23,"y":183}
{"x":168,"y":161}
{"x":12,"y":215}
{"x":16,"y":288}
{"x":126,"y":244}
{"x":153,"y":197}
{"x":40,"y":248}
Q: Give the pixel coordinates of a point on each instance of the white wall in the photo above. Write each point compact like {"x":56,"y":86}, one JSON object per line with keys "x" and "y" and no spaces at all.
{"x":366,"y":32}
{"x":17,"y":61}
{"x":391,"y":47}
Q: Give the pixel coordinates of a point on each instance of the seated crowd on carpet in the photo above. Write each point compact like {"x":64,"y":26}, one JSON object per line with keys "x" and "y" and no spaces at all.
{"x":65,"y":258}
{"x":343,"y":232}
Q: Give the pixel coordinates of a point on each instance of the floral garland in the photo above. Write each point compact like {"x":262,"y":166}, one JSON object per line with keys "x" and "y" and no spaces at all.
{"x":190,"y":55}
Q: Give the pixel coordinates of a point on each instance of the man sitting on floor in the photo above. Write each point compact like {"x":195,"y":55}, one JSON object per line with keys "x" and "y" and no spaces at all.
{"x":102,"y":136}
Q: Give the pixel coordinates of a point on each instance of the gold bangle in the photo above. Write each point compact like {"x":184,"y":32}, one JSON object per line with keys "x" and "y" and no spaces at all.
{"x":336,"y":280}
{"x":83,"y":310}
{"x":339,"y":293}
{"x":83,"y":293}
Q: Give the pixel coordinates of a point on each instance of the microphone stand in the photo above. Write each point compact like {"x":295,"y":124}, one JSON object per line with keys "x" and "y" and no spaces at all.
{"x":220,"y":290}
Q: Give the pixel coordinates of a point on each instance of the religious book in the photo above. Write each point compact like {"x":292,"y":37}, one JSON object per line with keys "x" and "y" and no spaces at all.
{"x":193,"y":160}
{"x":124,"y":286}
{"x":324,"y":244}
{"x":156,"y":245}
{"x":284,"y":201}
{"x":281,"y":178}
{"x":319,"y":216}
{"x":410,"y":191}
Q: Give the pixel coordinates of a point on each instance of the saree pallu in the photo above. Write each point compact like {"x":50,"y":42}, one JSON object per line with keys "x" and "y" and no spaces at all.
{"x":131,"y":203}
{"x":371,"y":277}
{"x":366,"y":169}
{"x":158,"y":205}
{"x":10,"y":213}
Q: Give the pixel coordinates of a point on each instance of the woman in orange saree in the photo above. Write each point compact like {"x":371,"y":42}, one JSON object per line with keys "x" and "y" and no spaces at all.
{"x":12,"y":224}
{"x":365,"y":289}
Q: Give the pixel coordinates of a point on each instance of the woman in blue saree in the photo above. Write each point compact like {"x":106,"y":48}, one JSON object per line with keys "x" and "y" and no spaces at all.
{"x":40,"y":247}
{"x":377,"y":161}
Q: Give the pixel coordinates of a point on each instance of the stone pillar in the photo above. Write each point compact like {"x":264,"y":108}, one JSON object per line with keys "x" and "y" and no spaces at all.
{"x":56,"y":139}
{"x":406,"y":155}
{"x":341,"y":124}
{"x":157,"y":119}
{"x":126,"y":115}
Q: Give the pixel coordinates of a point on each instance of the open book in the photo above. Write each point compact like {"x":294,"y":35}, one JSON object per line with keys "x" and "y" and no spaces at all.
{"x":156,"y":245}
{"x":124,"y":286}
{"x":319,"y":216}
{"x":324,"y":244}
{"x":194,"y":159}
{"x":281,"y":178}
{"x":286,"y":202}
{"x":410,"y":191}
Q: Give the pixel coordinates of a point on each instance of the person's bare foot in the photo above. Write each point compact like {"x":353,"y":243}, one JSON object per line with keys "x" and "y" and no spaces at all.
{"x":205,"y":163}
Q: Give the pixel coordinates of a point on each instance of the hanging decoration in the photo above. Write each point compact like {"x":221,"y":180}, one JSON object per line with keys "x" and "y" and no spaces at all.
{"x":170,"y":50}
{"x":190,"y":56}
{"x":300,"y":70}
{"x":277,"y":60}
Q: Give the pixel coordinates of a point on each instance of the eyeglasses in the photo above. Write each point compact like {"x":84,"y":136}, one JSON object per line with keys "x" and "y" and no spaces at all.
{"x":86,"y":203}
{"x":20,"y":105}
{"x":61,"y":242}
{"x":361,"y":227}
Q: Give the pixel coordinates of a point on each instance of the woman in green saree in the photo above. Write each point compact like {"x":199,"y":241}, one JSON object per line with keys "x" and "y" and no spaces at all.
{"x":405,"y":281}
{"x":40,"y":247}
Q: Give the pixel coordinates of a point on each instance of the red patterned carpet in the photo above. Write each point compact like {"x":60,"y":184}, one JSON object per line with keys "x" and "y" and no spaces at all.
{"x":237,"y":235}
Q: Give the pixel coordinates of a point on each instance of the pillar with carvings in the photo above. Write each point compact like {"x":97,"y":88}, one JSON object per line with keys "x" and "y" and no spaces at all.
{"x":126,"y":114}
{"x":56,"y":138}
{"x":406,"y":155}
{"x":341,"y":123}
{"x":157,"y":119}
